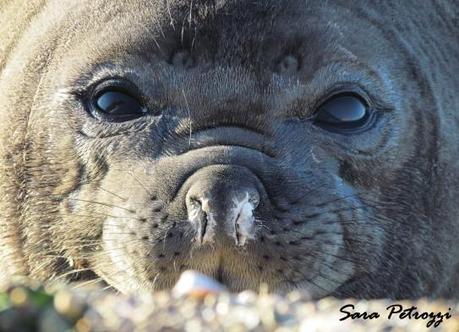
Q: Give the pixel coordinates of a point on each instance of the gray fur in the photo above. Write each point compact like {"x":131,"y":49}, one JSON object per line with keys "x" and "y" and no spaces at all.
{"x":369,"y":215}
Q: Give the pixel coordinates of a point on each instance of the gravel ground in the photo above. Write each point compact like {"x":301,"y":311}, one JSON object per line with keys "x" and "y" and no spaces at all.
{"x":27,"y":306}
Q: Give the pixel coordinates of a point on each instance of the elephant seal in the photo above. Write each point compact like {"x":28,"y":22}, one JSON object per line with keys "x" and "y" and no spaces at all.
{"x":295,"y":144}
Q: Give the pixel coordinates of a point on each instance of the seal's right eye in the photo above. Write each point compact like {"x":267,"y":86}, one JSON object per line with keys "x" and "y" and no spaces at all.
{"x":116,"y":103}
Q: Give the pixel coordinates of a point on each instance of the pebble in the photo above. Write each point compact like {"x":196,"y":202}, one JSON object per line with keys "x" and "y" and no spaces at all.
{"x":197,"y":285}
{"x":68,"y":304}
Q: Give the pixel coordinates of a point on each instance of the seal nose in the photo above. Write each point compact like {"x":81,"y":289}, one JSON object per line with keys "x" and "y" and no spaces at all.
{"x":221,"y":204}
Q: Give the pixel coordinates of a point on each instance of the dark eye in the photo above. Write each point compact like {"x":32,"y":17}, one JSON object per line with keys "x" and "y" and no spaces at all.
{"x":344,"y":112}
{"x":116,"y":103}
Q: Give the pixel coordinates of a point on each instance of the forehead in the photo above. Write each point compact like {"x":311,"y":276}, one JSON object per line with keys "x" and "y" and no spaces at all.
{"x":234,"y":30}
{"x":248,"y":36}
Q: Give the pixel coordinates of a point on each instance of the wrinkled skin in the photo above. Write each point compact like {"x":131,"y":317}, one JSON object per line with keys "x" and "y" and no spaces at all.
{"x":372,"y":214}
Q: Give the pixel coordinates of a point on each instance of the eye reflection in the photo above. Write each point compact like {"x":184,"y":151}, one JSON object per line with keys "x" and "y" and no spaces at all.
{"x":115,"y":104}
{"x":343,"y":112}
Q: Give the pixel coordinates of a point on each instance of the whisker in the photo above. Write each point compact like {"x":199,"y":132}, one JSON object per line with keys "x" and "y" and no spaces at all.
{"x":87,"y":283}
{"x":112,"y":193}
{"x":189,"y":116}
{"x":66,"y":274}
{"x":101,"y":203}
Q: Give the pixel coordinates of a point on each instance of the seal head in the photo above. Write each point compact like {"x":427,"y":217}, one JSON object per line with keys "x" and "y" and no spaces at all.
{"x":264,"y":142}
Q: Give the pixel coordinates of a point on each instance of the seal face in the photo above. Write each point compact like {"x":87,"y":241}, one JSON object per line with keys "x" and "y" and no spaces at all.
{"x":263,"y":142}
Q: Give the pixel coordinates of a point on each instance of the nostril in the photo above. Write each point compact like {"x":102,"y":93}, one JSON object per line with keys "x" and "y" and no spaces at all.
{"x":195,"y":202}
{"x":253,"y":198}
{"x":244,"y":225}
{"x":194,"y":207}
{"x":197,"y":216}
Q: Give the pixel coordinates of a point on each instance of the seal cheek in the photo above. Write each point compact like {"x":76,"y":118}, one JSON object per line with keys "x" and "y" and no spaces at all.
{"x":120,"y":269}
{"x":71,"y":178}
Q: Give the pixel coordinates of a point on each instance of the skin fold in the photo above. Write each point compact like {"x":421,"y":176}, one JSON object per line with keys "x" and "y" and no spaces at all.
{"x":226,"y":173}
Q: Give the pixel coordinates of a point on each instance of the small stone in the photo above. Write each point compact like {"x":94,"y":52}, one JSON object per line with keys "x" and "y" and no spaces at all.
{"x":83,"y":325}
{"x":208,"y":314}
{"x":236,"y":327}
{"x":19,"y":296}
{"x":304,"y":309}
{"x":298,"y":296}
{"x":197,"y":285}
{"x":193,"y":325}
{"x":51,"y":321}
{"x":246,"y":297}
{"x":210,"y":300}
{"x":68,"y":305}
{"x":222,"y":308}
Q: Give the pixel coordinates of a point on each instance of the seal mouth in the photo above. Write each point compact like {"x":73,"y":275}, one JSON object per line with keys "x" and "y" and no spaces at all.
{"x":219,"y":273}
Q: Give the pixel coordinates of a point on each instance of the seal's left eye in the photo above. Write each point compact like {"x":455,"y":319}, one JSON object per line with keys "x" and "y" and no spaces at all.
{"x":117,"y":105}
{"x":345,"y":112}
